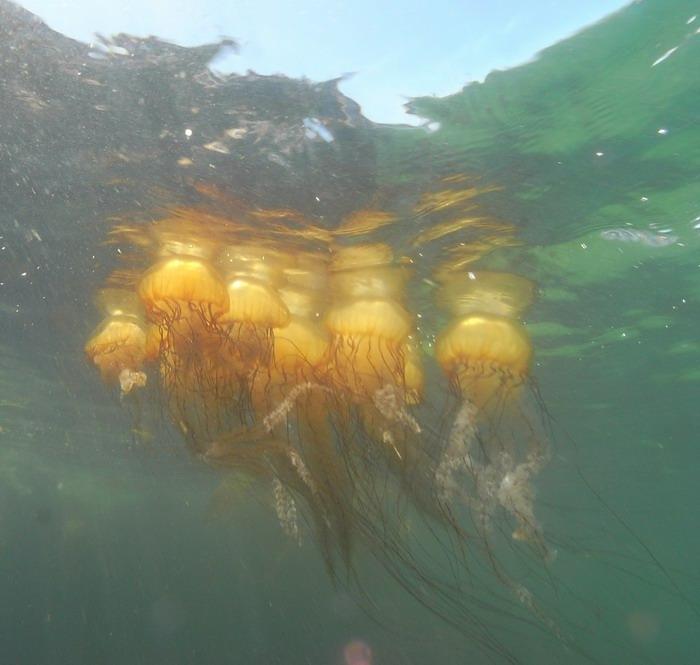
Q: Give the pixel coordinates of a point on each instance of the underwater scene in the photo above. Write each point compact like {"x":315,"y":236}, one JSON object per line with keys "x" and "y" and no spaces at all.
{"x":281,"y":384}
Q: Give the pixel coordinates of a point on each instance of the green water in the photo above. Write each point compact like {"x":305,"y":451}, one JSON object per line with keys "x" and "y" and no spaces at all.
{"x":120,"y":548}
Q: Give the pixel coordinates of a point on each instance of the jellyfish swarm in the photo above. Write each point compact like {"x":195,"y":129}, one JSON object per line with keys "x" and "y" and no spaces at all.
{"x":118,"y":347}
{"x":496,"y":444}
{"x":303,"y":369}
{"x":330,"y":373}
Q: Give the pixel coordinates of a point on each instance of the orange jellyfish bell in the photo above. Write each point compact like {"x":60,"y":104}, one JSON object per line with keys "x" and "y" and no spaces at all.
{"x":382,"y":319}
{"x":118,"y":345}
{"x":178,"y":284}
{"x":488,"y":357}
{"x":300,"y":346}
{"x":253,"y":275}
{"x":485,"y":350}
{"x":367,"y":320}
{"x":184,"y":296}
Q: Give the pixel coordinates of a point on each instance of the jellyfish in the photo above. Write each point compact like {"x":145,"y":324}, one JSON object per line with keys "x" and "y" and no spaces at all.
{"x":299,"y":345}
{"x":375,"y":377}
{"x":463,"y":483}
{"x":184,"y":294}
{"x":495,"y":446}
{"x":372,"y":362}
{"x":118,"y":345}
{"x":184,"y":298}
{"x":371,"y":378}
{"x":253,"y":275}
{"x":302,"y":369}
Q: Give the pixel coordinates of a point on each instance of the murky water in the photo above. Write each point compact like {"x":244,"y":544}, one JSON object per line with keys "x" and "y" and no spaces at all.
{"x":145,"y":528}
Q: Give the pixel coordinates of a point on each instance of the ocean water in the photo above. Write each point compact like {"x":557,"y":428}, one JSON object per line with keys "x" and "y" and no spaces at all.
{"x":578,"y":170}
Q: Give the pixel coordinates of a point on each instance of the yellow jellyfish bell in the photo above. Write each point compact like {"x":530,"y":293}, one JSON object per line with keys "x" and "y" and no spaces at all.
{"x":488,"y":357}
{"x":118,"y":345}
{"x":253,"y":274}
{"x":178,"y":285}
{"x":367,"y":321}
